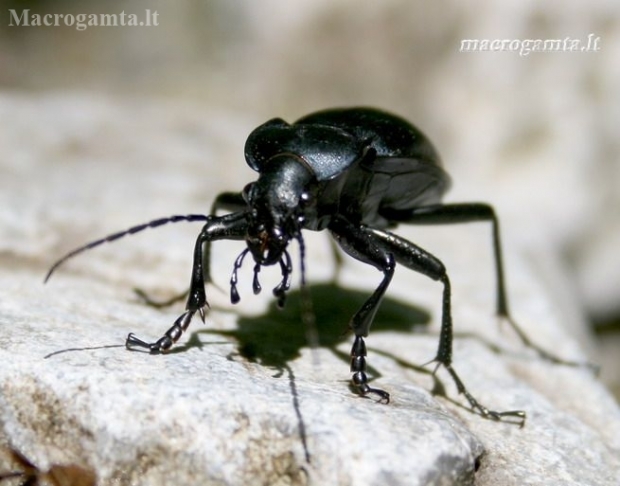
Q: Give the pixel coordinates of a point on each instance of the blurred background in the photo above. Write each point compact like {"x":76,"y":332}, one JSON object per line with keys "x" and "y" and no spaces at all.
{"x":536,"y":134}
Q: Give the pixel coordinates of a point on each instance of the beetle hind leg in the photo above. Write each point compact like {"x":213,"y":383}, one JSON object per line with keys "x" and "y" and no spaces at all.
{"x":383,"y":249}
{"x":361,"y":322}
{"x":441,"y":214}
{"x":444,"y":357}
{"x":476,"y":405}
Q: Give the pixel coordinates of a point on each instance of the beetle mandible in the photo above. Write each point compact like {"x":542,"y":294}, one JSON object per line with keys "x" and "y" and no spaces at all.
{"x":356,"y":172}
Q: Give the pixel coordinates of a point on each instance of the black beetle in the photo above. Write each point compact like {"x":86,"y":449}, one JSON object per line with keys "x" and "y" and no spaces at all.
{"x":356,"y":172}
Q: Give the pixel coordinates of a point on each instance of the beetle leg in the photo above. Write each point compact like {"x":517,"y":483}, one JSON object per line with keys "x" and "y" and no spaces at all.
{"x":461,"y":213}
{"x":230,"y":227}
{"x":231,"y":201}
{"x":473,"y":212}
{"x":366,"y":244}
{"x":354,"y":241}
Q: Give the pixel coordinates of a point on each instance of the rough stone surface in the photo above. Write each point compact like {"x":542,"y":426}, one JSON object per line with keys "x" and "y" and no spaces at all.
{"x":244,"y":400}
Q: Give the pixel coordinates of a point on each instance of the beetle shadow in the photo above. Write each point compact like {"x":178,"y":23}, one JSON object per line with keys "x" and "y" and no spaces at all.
{"x":276,"y":337}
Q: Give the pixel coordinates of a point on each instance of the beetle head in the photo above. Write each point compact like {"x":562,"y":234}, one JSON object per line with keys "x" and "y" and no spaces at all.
{"x":279,"y":202}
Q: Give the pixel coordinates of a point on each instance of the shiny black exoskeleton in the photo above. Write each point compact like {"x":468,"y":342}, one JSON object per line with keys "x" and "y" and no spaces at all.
{"x":357,"y":173}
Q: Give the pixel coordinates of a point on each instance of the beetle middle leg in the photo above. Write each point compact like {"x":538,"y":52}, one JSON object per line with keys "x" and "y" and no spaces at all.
{"x":381,"y":249}
{"x":478,"y":212}
{"x":232,"y":227}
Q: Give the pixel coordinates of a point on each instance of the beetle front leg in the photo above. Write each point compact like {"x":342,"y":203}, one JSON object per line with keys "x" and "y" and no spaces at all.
{"x":229,"y":201}
{"x":360,"y":323}
{"x":232,"y":201}
{"x":354,"y":241}
{"x":232,"y":227}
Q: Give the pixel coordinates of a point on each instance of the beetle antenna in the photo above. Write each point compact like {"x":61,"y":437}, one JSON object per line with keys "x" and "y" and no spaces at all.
{"x":302,"y":258}
{"x":135,"y":229}
{"x":307,"y":312}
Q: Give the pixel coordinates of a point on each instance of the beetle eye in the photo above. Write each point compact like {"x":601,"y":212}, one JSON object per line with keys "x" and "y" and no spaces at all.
{"x":305,"y":199}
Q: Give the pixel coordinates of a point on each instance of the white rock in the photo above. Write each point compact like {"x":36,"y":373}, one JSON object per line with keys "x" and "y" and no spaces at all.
{"x":208,"y":414}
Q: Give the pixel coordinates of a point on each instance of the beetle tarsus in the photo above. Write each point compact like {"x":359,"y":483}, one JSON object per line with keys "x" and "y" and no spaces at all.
{"x":170,"y":337}
{"x":358,"y":368}
{"x":444,"y":357}
{"x":364,"y":389}
{"x":132,"y":342}
{"x":520,"y":415}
